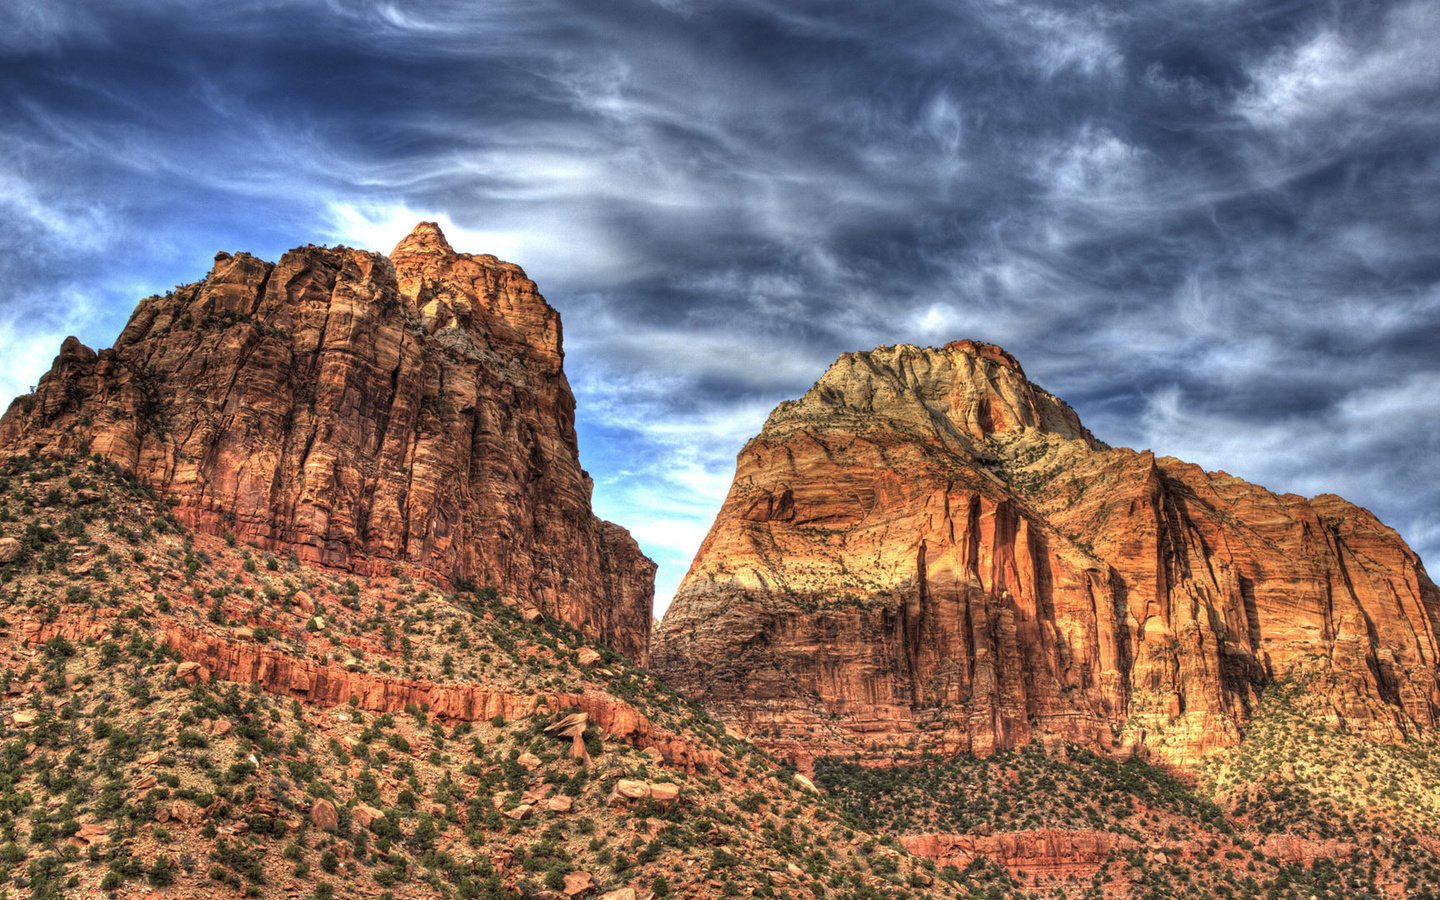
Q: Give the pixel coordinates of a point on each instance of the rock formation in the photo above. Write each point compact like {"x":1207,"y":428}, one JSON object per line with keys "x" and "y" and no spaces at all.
{"x":362,"y":412}
{"x":1055,"y":853}
{"x":207,"y":657}
{"x":928,"y":551}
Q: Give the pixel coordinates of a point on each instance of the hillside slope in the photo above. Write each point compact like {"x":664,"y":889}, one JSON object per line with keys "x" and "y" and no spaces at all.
{"x":201,"y":716}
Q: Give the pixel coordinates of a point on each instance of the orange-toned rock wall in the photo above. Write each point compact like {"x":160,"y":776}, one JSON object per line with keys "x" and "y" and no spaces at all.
{"x":360,"y":410}
{"x":1057,"y":853}
{"x":1044,"y":851}
{"x":927,"y":551}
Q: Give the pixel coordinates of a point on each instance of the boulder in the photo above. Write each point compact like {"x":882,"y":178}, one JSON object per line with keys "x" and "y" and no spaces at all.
{"x":664,"y":793}
{"x":324,"y":816}
{"x":627,"y":790}
{"x":805,"y":784}
{"x":577,"y":883}
{"x":572,"y":727}
{"x":184,"y":811}
{"x":365,"y":815}
{"x":192,"y":672}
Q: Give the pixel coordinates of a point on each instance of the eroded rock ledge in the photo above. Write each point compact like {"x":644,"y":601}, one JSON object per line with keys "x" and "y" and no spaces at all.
{"x":209,"y":657}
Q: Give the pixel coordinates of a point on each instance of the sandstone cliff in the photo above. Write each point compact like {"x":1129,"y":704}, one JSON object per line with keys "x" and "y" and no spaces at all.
{"x":928,"y":551}
{"x":360,"y":411}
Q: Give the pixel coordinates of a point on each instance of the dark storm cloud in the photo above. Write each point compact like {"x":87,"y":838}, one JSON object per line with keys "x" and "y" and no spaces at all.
{"x":1211,"y":226}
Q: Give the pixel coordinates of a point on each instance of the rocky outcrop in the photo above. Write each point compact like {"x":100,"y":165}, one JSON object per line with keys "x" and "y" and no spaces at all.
{"x":208,"y":657}
{"x":1060,"y":854}
{"x":1055,"y":853}
{"x":362,"y":412}
{"x":928,"y":551}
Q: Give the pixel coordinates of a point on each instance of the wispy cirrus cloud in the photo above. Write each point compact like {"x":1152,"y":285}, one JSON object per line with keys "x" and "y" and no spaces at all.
{"x":1338,"y":71}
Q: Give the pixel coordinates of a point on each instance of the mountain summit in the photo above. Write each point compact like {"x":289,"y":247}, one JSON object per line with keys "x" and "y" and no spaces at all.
{"x":929,"y":552}
{"x":360,"y":412}
{"x":959,"y":395}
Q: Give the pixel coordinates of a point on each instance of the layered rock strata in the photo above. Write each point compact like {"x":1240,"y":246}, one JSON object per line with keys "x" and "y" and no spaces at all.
{"x":209,"y":657}
{"x":360,"y":411}
{"x":1058,"y":854}
{"x":928,"y":551}
{"x":1051,"y":852}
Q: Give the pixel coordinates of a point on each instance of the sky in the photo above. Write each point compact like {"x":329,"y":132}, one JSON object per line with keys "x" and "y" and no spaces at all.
{"x":1213,"y":226}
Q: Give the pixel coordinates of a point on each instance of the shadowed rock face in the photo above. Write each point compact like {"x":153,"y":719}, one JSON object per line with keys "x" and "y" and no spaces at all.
{"x":361,"y":411}
{"x":929,"y":551}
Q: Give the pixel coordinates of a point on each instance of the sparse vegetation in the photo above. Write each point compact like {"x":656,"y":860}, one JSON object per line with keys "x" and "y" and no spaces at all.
{"x":131,"y":769}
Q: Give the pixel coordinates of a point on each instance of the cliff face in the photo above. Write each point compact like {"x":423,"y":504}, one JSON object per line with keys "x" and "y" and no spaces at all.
{"x":929,"y":551}
{"x":360,"y":411}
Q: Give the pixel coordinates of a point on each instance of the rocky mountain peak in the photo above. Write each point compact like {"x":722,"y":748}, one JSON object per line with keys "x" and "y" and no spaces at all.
{"x":982,"y":350}
{"x":421,"y":260}
{"x":927,"y":550}
{"x":426,"y":238}
{"x":963,"y":392}
{"x":364,"y":414}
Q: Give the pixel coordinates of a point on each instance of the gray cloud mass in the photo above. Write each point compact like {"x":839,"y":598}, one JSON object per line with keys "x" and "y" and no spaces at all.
{"x":1211,"y":226}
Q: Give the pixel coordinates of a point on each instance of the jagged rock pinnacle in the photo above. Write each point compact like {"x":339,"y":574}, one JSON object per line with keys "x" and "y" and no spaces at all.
{"x":425,"y":238}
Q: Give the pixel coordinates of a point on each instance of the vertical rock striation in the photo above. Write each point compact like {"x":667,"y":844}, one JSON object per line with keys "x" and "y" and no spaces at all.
{"x":360,"y":411}
{"x":928,"y":551}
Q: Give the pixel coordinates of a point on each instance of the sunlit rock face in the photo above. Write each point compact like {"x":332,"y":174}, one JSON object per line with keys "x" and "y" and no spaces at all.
{"x":928,"y":551}
{"x":361,"y":411}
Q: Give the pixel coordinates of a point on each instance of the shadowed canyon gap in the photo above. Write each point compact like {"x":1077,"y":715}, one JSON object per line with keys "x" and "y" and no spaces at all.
{"x":928,"y":551}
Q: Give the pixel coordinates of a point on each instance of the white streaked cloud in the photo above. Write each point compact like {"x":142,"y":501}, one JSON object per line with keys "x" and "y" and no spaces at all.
{"x":1332,"y":73}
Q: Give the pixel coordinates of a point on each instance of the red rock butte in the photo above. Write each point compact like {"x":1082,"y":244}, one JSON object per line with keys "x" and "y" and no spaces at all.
{"x":928,"y":551}
{"x":361,"y":411}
